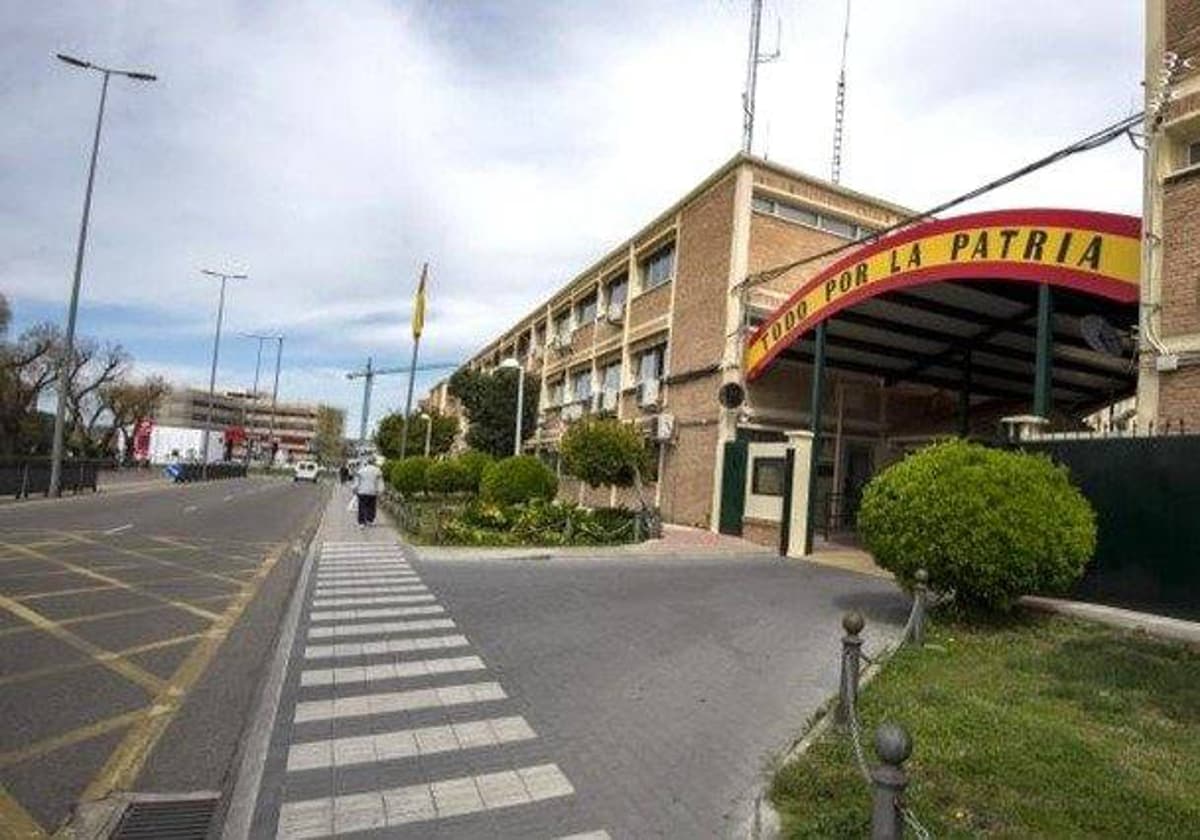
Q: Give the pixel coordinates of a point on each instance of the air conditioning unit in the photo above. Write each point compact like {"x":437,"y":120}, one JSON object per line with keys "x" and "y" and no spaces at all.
{"x":648,"y":393}
{"x":664,"y":428}
{"x":615,"y":313}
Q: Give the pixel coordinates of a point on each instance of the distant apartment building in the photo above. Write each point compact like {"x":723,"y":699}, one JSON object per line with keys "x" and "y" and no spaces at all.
{"x":245,"y":420}
{"x":651,"y":331}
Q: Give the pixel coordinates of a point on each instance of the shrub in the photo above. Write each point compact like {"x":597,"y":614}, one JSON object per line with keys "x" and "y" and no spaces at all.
{"x":517,"y":479}
{"x":604,"y":452}
{"x":408,"y":475}
{"x":988,"y":525}
{"x":474,"y":462}
{"x":447,"y":476}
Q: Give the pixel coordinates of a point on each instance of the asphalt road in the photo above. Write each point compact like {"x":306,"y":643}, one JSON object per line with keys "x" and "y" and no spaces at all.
{"x":133,"y":629}
{"x":630,"y":697}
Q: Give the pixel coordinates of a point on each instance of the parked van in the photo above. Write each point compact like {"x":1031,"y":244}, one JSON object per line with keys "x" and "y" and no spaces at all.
{"x":306,"y":471}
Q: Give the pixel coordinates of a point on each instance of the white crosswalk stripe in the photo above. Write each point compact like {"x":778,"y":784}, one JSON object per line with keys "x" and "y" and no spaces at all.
{"x":372,"y":626}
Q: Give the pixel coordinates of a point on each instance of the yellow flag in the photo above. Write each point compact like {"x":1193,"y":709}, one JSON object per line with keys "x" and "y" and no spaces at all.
{"x":418,"y":314}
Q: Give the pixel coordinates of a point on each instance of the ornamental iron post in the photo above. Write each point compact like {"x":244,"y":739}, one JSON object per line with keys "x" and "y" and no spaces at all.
{"x":893,"y":745}
{"x":852,"y":623}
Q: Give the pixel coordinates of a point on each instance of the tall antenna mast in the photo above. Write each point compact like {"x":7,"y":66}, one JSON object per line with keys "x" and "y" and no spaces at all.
{"x":839,"y":107}
{"x":753,"y":59}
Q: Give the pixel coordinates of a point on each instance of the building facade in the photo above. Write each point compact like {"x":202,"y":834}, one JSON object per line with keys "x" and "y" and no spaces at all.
{"x":1169,"y":358}
{"x":246,"y":420}
{"x":650,"y":332}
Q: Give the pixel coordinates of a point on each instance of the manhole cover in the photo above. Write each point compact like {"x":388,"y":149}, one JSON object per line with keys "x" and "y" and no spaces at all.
{"x":166,"y":819}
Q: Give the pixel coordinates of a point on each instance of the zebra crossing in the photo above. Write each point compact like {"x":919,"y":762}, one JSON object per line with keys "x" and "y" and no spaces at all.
{"x":398,"y":729}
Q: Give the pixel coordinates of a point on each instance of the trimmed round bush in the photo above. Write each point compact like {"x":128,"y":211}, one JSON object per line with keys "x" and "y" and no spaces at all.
{"x":987,"y":524}
{"x":518,"y":479}
{"x":447,"y":476}
{"x":408,"y":475}
{"x":474,"y":462}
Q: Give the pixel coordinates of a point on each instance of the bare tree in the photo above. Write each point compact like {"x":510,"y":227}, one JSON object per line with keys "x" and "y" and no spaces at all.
{"x":93,"y":367}
{"x":128,"y":403}
{"x":27,"y":368}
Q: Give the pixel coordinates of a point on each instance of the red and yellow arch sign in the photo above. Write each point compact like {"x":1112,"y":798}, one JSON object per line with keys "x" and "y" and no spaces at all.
{"x":1098,"y":253}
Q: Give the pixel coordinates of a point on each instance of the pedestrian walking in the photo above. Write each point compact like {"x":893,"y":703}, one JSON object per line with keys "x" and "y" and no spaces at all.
{"x":368,"y":484}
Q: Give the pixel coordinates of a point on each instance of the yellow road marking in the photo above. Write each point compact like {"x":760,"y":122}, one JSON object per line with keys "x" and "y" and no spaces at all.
{"x":77,"y":591}
{"x":86,"y":572}
{"x":38,"y":556}
{"x":83,"y":619}
{"x":133,"y":552}
{"x":75,"y":736}
{"x":15,"y":822}
{"x":123,"y":766}
{"x":103,"y":657}
{"x":51,"y":670}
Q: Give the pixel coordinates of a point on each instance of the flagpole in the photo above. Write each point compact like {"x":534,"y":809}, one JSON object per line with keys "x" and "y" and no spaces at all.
{"x":418,"y":326}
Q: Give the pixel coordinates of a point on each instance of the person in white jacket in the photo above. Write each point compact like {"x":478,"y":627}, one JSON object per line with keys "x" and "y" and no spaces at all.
{"x":368,"y":484}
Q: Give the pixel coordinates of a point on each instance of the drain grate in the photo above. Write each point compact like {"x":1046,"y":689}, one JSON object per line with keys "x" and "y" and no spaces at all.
{"x":166,"y":819}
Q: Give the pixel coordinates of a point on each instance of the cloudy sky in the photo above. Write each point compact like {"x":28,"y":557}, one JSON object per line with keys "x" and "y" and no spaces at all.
{"x":329,"y":148}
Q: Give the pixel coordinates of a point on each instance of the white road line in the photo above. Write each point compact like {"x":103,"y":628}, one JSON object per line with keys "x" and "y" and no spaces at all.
{"x":320,"y":603}
{"x":325,"y":583}
{"x":350,"y":574}
{"x":228,"y":498}
{"x":390,"y":671}
{"x":387,"y":646}
{"x":408,"y":743}
{"x":382,"y":612}
{"x":391,"y":702}
{"x":589,"y":835}
{"x":189,"y":508}
{"x":418,"y":803}
{"x":119,"y":528}
{"x":326,"y":566}
{"x":379,"y":628}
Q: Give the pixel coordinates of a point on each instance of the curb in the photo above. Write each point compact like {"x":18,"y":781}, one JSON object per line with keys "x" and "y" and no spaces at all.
{"x":237,"y":821}
{"x":1159,"y":626}
{"x":765,"y":823}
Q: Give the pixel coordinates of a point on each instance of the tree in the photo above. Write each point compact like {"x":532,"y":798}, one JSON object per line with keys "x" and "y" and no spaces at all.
{"x":27,"y":370}
{"x":490,"y":403}
{"x":330,"y":439}
{"x":93,"y":368}
{"x":605,"y":452}
{"x":127,"y":404}
{"x":391,"y":428}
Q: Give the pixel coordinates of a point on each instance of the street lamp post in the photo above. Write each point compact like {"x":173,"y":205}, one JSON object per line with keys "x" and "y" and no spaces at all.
{"x":212,"y":376}
{"x":254,"y":392}
{"x":428,"y":432}
{"x":68,"y":349}
{"x":511,"y":363}
{"x":275,"y":398}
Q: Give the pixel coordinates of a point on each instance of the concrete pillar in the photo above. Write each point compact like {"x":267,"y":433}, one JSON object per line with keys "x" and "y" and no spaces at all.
{"x":801,"y":442}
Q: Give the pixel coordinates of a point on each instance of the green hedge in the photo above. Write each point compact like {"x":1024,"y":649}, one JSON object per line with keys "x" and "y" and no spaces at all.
{"x":987,"y":524}
{"x":448,"y":476}
{"x":408,"y":475}
{"x":518,"y":479}
{"x":537,"y":523}
{"x":475,"y":462}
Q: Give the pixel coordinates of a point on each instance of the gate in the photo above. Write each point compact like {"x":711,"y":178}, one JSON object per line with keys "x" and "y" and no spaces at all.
{"x":733,"y":487}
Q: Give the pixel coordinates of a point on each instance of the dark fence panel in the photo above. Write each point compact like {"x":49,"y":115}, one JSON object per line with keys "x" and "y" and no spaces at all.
{"x":197,"y":472}
{"x":22,"y":477}
{"x":1146,"y":492}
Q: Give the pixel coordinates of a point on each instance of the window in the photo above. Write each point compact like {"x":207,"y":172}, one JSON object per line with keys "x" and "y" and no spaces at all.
{"x":658,"y":268}
{"x":581,"y":385}
{"x":618,"y":290}
{"x":562,"y":324}
{"x":585,"y":310}
{"x":539,"y":336}
{"x":810,"y":218}
{"x":767,"y":477}
{"x":838,"y":227}
{"x":1193,"y":154}
{"x":797,"y":214}
{"x":610,"y":377}
{"x":556,"y":392}
{"x":651,"y":363}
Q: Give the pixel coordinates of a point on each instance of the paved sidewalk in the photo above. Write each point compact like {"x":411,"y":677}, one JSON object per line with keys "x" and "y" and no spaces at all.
{"x":392,"y":723}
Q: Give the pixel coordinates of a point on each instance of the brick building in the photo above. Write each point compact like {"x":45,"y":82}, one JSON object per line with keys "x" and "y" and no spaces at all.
{"x":650,"y":332}
{"x":1169,"y":363}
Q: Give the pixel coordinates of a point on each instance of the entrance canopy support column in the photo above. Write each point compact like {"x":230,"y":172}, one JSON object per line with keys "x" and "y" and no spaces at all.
{"x":1043,"y":376}
{"x":964,"y":397}
{"x":818,"y":393}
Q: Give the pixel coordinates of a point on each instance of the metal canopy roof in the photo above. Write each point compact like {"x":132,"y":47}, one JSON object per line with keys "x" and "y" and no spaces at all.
{"x":922,"y":335}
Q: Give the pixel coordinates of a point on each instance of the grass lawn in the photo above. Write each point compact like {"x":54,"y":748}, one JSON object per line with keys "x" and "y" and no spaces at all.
{"x":1032,"y":727}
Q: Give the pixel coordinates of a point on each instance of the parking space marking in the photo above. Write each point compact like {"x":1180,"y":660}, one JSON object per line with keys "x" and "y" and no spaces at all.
{"x":50,"y":670}
{"x":74,"y":736}
{"x":84,"y":619}
{"x":142,"y":555}
{"x":94,"y":575}
{"x":99,"y":655}
{"x":16,"y":819}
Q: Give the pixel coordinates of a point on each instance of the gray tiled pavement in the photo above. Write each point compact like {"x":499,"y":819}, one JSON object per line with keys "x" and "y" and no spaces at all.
{"x":636,"y":697}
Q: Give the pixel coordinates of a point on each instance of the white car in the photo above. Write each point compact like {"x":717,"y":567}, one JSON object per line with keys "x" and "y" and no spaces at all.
{"x":306,"y":471}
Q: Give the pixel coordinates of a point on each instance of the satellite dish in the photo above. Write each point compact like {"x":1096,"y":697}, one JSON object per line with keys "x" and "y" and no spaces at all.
{"x":1101,"y":336}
